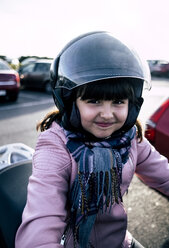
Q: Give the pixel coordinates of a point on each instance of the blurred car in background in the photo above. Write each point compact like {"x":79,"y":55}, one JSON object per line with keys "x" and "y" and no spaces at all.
{"x":28,"y":61}
{"x":9,"y":82}
{"x":159,"y":68}
{"x":157,"y":129}
{"x":36,"y":75}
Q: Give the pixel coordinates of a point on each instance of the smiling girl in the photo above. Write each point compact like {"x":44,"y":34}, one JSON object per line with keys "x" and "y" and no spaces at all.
{"x":89,"y":149}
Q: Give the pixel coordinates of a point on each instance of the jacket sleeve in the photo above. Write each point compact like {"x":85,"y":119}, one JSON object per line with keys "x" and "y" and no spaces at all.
{"x":44,"y":216}
{"x":152,"y":168}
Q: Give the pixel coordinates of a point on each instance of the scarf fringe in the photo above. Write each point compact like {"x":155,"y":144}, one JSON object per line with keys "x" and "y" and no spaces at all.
{"x":98,"y":190}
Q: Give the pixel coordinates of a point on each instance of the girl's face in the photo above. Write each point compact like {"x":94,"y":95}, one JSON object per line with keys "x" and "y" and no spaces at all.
{"x":102,"y":117}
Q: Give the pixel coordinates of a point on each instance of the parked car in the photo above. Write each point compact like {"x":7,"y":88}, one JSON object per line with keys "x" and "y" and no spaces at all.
{"x":157,"y":129}
{"x":9,"y":81}
{"x":28,"y":61}
{"x":36,"y":75}
{"x":159,"y":68}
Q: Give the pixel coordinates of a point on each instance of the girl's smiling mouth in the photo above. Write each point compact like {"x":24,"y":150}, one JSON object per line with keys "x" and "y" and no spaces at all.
{"x":104,"y":124}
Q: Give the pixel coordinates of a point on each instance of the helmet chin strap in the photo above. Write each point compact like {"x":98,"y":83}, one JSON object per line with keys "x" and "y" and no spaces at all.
{"x":133,"y":113}
{"x":72,"y":121}
{"x":75,"y":119}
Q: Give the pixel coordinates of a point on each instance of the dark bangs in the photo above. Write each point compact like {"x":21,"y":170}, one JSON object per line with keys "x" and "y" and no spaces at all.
{"x":119,"y":88}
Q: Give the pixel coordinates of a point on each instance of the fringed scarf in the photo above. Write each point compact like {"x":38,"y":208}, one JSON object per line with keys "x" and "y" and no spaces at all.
{"x":97,"y":185}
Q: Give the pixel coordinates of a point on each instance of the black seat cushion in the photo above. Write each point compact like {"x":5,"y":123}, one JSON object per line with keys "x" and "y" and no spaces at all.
{"x":13,"y":194}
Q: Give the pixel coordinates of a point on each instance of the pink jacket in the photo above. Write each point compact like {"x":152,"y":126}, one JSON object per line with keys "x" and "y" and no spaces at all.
{"x":54,"y":170}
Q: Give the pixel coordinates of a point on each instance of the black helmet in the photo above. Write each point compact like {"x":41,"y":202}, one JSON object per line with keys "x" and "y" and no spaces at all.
{"x":94,"y":57}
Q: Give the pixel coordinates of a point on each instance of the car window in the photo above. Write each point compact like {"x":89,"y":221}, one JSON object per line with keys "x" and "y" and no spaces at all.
{"x":3,"y":66}
{"x":42,"y":67}
{"x":28,"y":68}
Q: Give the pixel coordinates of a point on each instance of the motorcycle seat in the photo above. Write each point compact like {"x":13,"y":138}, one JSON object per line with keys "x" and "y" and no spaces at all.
{"x":13,"y":193}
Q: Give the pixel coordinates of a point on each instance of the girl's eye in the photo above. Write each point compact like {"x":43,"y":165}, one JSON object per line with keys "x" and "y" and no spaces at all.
{"x":118,"y":101}
{"x":93,"y":101}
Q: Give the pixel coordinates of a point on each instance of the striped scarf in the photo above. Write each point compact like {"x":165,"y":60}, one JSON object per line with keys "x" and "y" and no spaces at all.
{"x":97,"y":184}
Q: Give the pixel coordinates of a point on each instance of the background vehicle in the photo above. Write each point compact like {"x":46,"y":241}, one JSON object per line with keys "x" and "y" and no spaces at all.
{"x":36,"y":75}
{"x":159,"y":68}
{"x":9,"y":81}
{"x":157,"y":129}
{"x":28,"y":61}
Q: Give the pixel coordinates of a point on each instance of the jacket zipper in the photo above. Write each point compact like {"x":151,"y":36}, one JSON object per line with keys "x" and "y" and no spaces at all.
{"x":66,"y":235}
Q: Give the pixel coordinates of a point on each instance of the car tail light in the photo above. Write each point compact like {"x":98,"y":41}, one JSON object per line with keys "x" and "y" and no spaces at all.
{"x":18,"y":80}
{"x":152,"y":122}
{"x":10,"y":79}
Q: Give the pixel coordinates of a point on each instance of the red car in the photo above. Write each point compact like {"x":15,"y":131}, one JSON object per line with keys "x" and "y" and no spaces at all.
{"x":157,"y":129}
{"x":9,"y":82}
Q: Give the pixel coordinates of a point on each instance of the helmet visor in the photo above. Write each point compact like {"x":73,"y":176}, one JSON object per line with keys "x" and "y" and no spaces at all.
{"x":101,"y":56}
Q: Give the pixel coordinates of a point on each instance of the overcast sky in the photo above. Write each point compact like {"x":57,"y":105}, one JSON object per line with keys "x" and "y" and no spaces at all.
{"x":43,"y":27}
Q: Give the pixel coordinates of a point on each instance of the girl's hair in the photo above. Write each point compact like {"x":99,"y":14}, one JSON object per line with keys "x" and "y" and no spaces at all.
{"x":119,"y":89}
{"x":110,"y":89}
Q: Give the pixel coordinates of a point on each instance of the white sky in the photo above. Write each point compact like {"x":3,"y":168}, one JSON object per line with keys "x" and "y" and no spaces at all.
{"x":43,"y":27}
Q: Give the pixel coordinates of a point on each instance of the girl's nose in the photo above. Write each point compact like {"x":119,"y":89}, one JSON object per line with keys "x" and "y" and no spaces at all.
{"x":107,"y":110}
